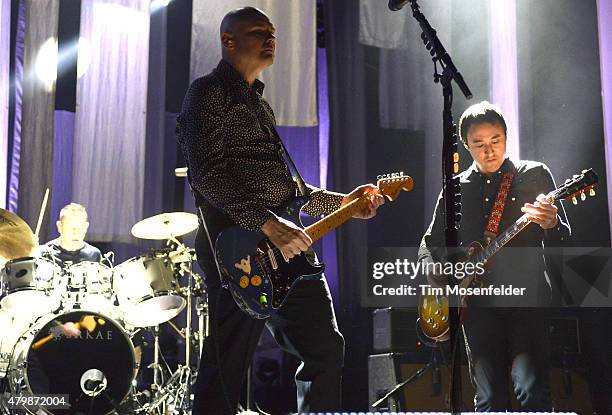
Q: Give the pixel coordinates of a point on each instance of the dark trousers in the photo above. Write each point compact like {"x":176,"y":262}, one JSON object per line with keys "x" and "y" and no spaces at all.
{"x":498,"y":338}
{"x":305,"y":326}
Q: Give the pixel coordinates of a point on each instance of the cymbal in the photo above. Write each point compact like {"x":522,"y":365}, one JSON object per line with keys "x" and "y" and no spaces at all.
{"x":165,"y":226}
{"x":16,"y":237}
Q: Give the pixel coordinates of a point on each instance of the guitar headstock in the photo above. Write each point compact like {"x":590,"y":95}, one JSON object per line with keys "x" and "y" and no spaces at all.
{"x":578,"y":185}
{"x":393,"y":186}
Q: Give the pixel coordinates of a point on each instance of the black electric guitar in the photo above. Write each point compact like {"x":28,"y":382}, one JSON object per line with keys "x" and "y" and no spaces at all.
{"x":433,"y":309}
{"x":259,"y":276}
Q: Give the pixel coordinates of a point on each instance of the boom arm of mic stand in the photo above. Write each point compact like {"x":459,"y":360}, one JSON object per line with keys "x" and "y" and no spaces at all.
{"x":433,"y":42}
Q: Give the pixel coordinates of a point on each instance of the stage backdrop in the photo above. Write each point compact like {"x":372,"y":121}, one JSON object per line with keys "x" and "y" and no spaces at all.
{"x":5,"y":50}
{"x":109,"y":138}
{"x":291,"y":82}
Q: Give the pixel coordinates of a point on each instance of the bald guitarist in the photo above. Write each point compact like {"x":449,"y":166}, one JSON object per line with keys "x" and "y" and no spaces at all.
{"x":499,"y":331}
{"x":240,"y":176}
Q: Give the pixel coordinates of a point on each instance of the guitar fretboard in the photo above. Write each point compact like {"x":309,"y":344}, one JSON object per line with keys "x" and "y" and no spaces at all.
{"x":499,"y":242}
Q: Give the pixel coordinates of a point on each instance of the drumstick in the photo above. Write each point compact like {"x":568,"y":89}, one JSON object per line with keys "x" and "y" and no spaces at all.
{"x":42,"y":212}
{"x":87,"y":322}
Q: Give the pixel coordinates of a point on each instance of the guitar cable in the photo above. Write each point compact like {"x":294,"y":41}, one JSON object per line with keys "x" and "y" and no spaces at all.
{"x":216,"y":318}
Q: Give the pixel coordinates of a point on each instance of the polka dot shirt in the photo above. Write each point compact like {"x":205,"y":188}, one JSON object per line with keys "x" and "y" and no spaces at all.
{"x":227,"y":133}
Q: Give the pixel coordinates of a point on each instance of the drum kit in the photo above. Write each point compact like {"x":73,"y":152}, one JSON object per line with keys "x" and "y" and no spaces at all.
{"x":41,"y":301}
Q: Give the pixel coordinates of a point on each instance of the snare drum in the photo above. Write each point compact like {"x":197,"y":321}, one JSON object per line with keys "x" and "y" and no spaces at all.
{"x":147,"y":290}
{"x":27,"y":283}
{"x":89,"y":284}
{"x":61,"y":365}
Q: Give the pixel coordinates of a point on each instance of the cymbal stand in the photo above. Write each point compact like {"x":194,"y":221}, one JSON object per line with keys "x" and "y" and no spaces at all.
{"x":203,"y":325}
{"x":157,"y":386}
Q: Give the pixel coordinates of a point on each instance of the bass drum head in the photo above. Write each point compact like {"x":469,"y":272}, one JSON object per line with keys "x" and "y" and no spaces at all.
{"x":57,"y":366}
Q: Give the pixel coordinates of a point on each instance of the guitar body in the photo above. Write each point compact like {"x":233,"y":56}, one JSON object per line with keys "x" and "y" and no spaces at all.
{"x":258,"y":276}
{"x":434,"y":309}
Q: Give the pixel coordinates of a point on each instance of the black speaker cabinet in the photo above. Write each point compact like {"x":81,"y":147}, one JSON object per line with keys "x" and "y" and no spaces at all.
{"x":394,"y":330}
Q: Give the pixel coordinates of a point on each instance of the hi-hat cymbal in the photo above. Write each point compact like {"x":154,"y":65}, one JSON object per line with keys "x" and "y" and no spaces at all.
{"x":16,"y":237}
{"x":165,"y":226}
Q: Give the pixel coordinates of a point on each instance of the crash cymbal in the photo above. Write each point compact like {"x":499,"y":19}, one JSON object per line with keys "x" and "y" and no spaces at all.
{"x":16,"y":237}
{"x":165,"y":226}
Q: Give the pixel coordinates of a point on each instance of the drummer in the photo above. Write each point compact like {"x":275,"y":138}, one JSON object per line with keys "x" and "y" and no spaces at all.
{"x":71,"y":248}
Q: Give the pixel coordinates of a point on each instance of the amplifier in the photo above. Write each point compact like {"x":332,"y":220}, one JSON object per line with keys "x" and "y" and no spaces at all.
{"x":427,"y":393}
{"x":394,"y":330}
{"x":430,"y":391}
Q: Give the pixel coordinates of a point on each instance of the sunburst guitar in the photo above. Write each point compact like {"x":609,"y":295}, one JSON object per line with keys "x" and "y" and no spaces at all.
{"x":433,"y":309}
{"x":258,"y":276}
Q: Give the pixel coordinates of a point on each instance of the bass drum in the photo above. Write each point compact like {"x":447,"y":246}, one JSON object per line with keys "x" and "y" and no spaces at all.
{"x":57,"y":366}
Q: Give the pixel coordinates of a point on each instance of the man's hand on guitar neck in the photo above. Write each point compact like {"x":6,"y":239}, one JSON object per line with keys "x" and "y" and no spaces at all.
{"x":543,"y":212}
{"x":286,"y":236}
{"x":375,"y":199}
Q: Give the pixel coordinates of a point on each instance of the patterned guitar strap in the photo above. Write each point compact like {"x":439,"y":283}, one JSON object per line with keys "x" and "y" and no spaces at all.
{"x":495,"y":217}
{"x":492,"y":228}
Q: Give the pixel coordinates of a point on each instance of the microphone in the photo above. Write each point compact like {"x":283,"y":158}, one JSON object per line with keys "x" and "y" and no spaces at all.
{"x":93,"y":382}
{"x":396,"y":5}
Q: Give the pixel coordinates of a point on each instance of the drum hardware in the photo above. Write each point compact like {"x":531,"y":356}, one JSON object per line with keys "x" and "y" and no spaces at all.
{"x":177,"y":329}
{"x":93,"y":382}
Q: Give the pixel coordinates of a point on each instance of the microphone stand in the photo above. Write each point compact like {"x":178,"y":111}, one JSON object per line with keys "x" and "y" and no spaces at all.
{"x":451,"y":185}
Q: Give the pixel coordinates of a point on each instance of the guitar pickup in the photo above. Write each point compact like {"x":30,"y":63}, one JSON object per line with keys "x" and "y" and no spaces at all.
{"x":272,"y":257}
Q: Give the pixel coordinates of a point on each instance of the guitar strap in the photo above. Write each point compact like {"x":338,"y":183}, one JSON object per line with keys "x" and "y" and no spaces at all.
{"x":302,"y":188}
{"x":495,"y":217}
{"x":492,"y":228}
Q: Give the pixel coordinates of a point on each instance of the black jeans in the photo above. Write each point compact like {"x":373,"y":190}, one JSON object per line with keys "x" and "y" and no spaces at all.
{"x":305,"y":326}
{"x":498,"y":338}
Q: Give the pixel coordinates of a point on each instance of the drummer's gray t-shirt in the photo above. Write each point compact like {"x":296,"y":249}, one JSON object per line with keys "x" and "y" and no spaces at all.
{"x":87,"y":253}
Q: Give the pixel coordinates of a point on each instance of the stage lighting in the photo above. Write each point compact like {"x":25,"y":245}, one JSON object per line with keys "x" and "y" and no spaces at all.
{"x":46,"y":63}
{"x":158,"y":4}
{"x":85,"y":56}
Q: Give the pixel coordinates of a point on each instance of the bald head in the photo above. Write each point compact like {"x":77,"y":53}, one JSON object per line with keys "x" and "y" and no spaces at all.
{"x":243,"y":15}
{"x":248,"y":41}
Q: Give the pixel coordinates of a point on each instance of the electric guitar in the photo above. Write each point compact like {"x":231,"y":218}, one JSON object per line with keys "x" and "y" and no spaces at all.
{"x":433,"y":309}
{"x":257,"y":273}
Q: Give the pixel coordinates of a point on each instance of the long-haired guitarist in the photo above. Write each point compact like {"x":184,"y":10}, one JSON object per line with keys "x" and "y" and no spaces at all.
{"x":228,"y":136}
{"x":500,"y":332}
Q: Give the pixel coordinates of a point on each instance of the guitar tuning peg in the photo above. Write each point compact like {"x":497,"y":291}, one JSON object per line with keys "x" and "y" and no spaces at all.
{"x":574,"y":200}
{"x":591,"y":192}
{"x":582,"y":196}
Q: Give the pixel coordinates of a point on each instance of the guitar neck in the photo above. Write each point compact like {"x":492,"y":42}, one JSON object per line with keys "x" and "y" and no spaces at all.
{"x":499,"y":242}
{"x":317,"y":230}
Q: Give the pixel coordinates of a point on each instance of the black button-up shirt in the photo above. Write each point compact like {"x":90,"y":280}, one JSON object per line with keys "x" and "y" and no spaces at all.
{"x":521,"y":261}
{"x":227,"y":133}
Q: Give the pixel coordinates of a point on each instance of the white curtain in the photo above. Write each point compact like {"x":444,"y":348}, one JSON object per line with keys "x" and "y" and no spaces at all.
{"x":109,"y":142}
{"x":5,"y":50}
{"x":291,"y":81}
{"x":381,"y":27}
{"x":504,"y":71}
